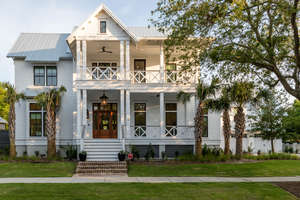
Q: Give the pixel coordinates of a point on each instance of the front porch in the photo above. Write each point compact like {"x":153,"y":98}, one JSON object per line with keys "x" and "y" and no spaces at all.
{"x":137,"y":117}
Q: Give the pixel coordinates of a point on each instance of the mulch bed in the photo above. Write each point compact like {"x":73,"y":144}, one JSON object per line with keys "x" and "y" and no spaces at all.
{"x":292,"y":187}
{"x":177,"y":162}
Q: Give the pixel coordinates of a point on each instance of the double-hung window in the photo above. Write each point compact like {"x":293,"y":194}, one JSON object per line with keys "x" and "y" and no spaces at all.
{"x":37,"y":118}
{"x":171,"y":119}
{"x":45,"y":75}
{"x":140,"y":119}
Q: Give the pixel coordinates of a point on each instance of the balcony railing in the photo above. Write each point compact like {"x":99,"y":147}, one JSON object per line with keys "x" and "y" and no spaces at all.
{"x":153,"y":132}
{"x":141,"y":77}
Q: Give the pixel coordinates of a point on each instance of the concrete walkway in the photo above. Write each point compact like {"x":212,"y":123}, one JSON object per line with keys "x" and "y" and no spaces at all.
{"x":122,"y":179}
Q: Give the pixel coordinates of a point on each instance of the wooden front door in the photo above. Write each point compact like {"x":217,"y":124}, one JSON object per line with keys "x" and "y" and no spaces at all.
{"x":105,"y":120}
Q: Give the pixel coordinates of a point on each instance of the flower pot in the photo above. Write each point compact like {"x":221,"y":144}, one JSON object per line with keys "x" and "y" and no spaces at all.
{"x":82,"y":157}
{"x":121,"y":157}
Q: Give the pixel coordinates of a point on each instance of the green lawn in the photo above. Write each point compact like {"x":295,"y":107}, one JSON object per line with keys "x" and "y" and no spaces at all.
{"x":265,"y":168}
{"x":140,"y":191}
{"x":27,"y":169}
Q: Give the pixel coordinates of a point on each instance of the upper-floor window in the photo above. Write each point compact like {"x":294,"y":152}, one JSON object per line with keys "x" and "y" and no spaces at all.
{"x":102,"y":26}
{"x":45,"y":75}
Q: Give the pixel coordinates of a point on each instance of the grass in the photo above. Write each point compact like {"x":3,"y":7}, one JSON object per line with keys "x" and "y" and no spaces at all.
{"x":28,"y":169}
{"x":254,"y":169}
{"x":143,"y":191}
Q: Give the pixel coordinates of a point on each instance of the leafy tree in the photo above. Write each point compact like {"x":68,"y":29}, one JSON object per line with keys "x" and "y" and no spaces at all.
{"x":203,"y":93}
{"x":291,"y":123}
{"x":12,"y":97}
{"x":258,"y":38}
{"x":223,"y":103}
{"x":268,"y":116}
{"x":4,"y":106}
{"x":51,"y":101}
{"x":241,"y":93}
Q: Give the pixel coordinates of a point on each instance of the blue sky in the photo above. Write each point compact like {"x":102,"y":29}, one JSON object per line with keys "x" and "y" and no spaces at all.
{"x":60,"y":16}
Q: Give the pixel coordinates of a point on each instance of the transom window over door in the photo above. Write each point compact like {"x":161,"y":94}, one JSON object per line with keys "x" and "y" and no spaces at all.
{"x":140,"y":119}
{"x":45,"y":75}
{"x":171,"y":119}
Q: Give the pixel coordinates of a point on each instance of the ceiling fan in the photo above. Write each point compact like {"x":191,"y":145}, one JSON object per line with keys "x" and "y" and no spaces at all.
{"x":103,"y":50}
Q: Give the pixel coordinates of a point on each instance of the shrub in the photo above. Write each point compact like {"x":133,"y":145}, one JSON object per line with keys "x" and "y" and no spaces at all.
{"x":163,"y":155}
{"x":150,"y":152}
{"x":291,"y":150}
{"x":71,"y":152}
{"x":37,"y":153}
{"x":258,"y":152}
{"x":135,"y":152}
{"x":272,"y":156}
{"x":286,"y":149}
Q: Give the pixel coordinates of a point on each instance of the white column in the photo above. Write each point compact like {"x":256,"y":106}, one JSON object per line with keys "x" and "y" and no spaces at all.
{"x":84,"y":107}
{"x":127,"y":113}
{"x":78,"y":114}
{"x":191,"y":110}
{"x":162,"y":114}
{"x":78,"y":59}
{"x":127,"y":59}
{"x":162,"y":63}
{"x":122,"y":112}
{"x":122,"y":60}
{"x":84,"y":59}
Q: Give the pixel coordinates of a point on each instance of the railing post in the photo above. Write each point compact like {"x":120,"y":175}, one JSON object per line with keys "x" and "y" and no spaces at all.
{"x":122,"y":60}
{"x":127,"y":59}
{"x":84,"y":59}
{"x":78,"y":59}
{"x":162,"y":63}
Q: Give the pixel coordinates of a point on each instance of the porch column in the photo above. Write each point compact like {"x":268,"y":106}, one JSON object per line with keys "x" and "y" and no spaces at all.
{"x":79,"y":115}
{"x":122,"y":112}
{"x":128,"y":113}
{"x":127,"y":59}
{"x":162,"y":63}
{"x":78,"y":58}
{"x":122,"y":60}
{"x":162,"y":114}
{"x":84,"y":108}
{"x":84,"y":59}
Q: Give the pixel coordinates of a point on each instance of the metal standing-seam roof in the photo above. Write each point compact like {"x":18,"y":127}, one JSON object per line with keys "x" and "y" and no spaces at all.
{"x":51,"y":47}
{"x":144,"y":32}
{"x":45,"y":47}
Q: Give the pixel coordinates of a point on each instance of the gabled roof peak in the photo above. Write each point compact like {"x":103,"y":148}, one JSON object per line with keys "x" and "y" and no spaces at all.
{"x":104,"y":8}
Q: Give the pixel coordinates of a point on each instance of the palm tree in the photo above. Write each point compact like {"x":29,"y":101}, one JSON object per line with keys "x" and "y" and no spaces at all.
{"x":51,"y":100}
{"x":223,"y":103}
{"x":241,"y":93}
{"x":12,"y":97}
{"x":203,"y":93}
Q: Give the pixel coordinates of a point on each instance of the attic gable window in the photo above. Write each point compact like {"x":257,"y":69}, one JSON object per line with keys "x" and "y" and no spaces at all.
{"x":102,"y":26}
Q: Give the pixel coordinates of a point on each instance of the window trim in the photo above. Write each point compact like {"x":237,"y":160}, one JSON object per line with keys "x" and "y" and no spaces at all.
{"x":43,"y":112}
{"x":45,"y":74}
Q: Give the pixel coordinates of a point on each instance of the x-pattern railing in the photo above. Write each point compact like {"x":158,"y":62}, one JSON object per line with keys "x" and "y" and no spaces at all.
{"x":104,"y":73}
{"x":140,"y":131}
{"x":170,"y":131}
{"x":149,"y":76}
{"x":180,"y":77}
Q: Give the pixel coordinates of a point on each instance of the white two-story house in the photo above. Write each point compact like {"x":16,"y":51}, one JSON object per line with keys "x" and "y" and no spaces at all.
{"x":120,"y":91}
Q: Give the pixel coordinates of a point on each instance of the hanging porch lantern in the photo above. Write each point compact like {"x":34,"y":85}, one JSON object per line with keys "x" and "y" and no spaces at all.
{"x":103,"y":99}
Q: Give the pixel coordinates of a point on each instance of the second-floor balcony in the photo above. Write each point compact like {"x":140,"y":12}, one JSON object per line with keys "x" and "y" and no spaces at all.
{"x":139,"y":76}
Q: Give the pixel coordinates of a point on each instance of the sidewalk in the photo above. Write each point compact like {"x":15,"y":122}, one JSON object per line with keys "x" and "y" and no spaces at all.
{"x":122,"y":179}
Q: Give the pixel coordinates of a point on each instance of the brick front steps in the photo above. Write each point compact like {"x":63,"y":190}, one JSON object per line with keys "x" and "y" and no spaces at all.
{"x":101,"y":168}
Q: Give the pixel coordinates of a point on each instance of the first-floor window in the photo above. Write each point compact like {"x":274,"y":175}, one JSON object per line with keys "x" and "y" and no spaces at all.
{"x":171,"y":119}
{"x":37,"y":117}
{"x":205,"y":124}
{"x":140,"y":119}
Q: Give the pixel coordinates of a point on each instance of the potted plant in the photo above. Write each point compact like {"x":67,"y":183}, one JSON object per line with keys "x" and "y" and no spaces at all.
{"x":122,"y":155}
{"x":82,"y":156}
